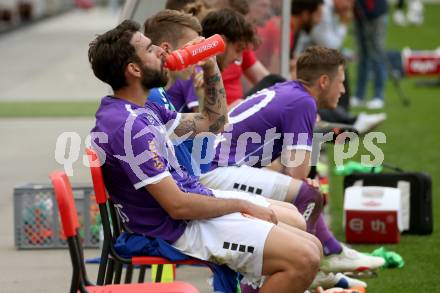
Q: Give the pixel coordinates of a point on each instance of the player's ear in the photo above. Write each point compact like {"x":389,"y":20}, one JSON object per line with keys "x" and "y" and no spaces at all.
{"x":133,"y":69}
{"x":166,"y":47}
{"x":324,"y":81}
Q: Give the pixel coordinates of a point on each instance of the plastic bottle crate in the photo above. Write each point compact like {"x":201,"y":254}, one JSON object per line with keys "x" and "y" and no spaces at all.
{"x":36,"y":218}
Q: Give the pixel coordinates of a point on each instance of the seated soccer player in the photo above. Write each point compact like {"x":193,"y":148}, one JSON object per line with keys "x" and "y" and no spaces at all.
{"x":159,"y":200}
{"x":274,"y":129}
{"x":239,"y":60}
{"x":171,"y":30}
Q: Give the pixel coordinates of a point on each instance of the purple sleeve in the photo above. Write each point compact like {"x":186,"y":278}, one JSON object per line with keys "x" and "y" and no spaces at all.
{"x":298,"y":120}
{"x":191,"y":99}
{"x":141,"y":152}
{"x":169,"y":118}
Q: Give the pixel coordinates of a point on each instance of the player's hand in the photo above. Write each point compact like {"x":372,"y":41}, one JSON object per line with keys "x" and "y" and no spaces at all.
{"x":262,"y":213}
{"x":199,"y":84}
{"x":207,"y":64}
{"x":198,"y":81}
{"x":318,"y":118}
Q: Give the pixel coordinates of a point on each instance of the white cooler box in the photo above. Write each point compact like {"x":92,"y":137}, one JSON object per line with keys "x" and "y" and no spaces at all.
{"x":373,"y":214}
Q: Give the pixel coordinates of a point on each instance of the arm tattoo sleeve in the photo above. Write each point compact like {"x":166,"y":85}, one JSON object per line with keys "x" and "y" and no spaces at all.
{"x":188,"y":125}
{"x":213,"y":114}
{"x":215,"y":107}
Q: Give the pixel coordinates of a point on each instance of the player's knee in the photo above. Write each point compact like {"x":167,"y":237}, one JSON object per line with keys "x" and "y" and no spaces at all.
{"x":301,"y":222}
{"x":307,"y":265}
{"x":317,"y":243}
{"x":291,"y":206}
{"x":314,"y":259}
{"x":313,"y":262}
{"x":296,"y":217}
{"x":306,"y":257}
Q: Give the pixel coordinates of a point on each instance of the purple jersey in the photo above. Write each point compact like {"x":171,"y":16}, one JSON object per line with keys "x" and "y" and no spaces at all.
{"x":275,"y":119}
{"x":138,"y":153}
{"x":183,"y":95}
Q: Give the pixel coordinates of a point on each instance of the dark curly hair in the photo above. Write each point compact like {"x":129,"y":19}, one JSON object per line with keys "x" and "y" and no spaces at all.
{"x":298,"y":6}
{"x":231,"y":24}
{"x":110,"y":53}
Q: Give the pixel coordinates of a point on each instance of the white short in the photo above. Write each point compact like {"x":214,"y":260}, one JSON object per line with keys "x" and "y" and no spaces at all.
{"x":253,"y":198}
{"x":234,"y":239}
{"x":267,"y":183}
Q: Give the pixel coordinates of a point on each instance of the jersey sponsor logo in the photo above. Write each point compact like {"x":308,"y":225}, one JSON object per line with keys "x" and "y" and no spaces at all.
{"x":151,"y":119}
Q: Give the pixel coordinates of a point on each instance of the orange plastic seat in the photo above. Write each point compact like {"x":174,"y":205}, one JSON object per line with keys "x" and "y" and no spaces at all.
{"x":112,"y":227}
{"x":80,"y":282}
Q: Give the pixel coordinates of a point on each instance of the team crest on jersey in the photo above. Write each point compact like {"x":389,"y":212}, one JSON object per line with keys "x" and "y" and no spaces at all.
{"x":151,"y":119}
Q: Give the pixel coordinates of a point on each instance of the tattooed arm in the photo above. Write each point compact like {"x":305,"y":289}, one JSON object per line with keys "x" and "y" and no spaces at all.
{"x":213,"y":113}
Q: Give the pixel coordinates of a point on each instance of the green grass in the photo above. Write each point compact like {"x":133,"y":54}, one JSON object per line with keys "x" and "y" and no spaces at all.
{"x":48,"y":109}
{"x":413,"y":141}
